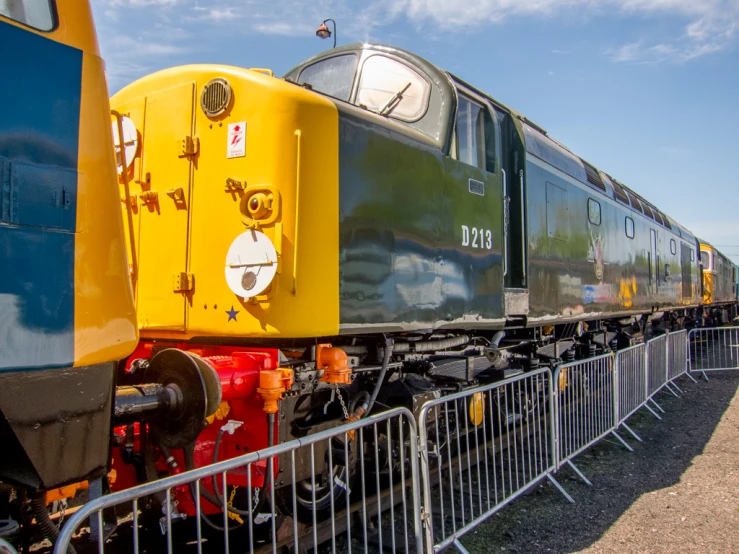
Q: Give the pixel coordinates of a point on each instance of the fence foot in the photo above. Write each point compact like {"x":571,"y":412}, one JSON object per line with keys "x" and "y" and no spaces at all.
{"x":655,"y":414}
{"x":674,"y":384}
{"x":622,"y":441}
{"x":458,"y":546}
{"x":657,"y":405}
{"x":560,"y":489}
{"x":705,"y":376}
{"x":633,"y":434}
{"x":691,"y":377}
{"x":579,"y":473}
{"x":669,"y":388}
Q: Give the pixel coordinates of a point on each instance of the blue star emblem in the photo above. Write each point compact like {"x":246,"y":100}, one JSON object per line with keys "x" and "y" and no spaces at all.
{"x":232,"y":314}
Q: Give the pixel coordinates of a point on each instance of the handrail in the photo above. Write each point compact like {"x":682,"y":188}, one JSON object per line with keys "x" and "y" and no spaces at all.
{"x":129,"y":208}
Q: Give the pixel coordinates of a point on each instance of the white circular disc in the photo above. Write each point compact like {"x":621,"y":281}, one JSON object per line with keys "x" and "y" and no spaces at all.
{"x":130,"y":142}
{"x":251,"y":264}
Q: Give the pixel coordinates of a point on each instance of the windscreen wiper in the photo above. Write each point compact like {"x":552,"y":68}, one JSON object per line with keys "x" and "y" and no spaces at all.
{"x":395,"y":99}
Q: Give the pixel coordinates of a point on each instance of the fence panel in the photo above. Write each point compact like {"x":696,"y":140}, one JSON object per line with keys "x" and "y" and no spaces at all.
{"x":631,"y":370}
{"x":677,"y":350}
{"x":482,"y":448}
{"x":368,"y":468}
{"x":585,"y":400}
{"x":656,"y":365}
{"x":714,"y":349}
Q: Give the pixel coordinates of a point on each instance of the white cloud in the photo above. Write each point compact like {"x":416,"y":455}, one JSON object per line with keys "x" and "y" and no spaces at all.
{"x":215,"y":14}
{"x":141,"y":3}
{"x":705,"y":26}
{"x":710,"y":25}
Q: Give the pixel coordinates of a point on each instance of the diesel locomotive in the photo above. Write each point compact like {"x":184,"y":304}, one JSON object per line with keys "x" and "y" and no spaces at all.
{"x":720,"y":290}
{"x":65,"y":296}
{"x":369,"y":231}
{"x":67,"y":316}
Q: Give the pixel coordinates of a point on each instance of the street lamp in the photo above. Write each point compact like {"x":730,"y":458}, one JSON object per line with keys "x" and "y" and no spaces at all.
{"x":324,"y":32}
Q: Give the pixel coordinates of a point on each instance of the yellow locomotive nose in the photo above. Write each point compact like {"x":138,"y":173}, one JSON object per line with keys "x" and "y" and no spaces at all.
{"x":235,"y":170}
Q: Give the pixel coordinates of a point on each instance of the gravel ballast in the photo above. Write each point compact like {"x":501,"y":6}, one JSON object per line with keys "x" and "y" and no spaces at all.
{"x":677,"y":492}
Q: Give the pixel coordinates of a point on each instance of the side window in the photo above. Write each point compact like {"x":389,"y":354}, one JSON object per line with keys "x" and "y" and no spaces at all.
{"x":705,"y":260}
{"x":593,"y":211}
{"x":470,"y":133}
{"x":34,"y":13}
{"x":629,"y":227}
{"x":332,"y":76}
{"x":392,"y":88}
{"x":692,"y":255}
{"x":673,"y":246}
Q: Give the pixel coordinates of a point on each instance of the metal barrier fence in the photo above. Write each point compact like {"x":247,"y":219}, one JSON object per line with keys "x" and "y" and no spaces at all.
{"x":382,"y":496}
{"x":714,"y":349}
{"x":656,"y":364}
{"x":631,"y":376}
{"x":482,"y":448}
{"x":479,"y":450}
{"x":585,"y":404}
{"x":677,"y":350}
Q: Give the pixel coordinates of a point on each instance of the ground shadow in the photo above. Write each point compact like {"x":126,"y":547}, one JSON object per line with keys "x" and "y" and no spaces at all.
{"x":544,"y":522}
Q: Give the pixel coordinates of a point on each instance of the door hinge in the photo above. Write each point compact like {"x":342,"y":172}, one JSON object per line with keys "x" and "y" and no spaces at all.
{"x":189,"y":146}
{"x":183,"y":282}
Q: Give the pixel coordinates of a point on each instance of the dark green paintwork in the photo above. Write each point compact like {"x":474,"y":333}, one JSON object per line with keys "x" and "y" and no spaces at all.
{"x":403,"y":201}
{"x":402,"y":207}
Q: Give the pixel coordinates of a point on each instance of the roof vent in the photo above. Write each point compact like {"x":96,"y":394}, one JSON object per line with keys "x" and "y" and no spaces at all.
{"x":593,"y":175}
{"x":216,"y":97}
{"x":619,"y":192}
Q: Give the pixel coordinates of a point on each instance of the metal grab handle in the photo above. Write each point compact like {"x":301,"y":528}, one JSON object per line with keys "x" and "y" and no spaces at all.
{"x":506,"y":200}
{"x":129,"y":208}
{"x":523,"y":230}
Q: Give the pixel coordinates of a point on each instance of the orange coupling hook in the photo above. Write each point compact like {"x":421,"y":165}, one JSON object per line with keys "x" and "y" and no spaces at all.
{"x":273,"y":383}
{"x":335,"y":365}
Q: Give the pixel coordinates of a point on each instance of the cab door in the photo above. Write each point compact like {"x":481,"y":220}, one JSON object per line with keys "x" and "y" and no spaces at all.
{"x":478,"y":202}
{"x":653,"y":262}
{"x":514,"y":190}
{"x":164,"y":205}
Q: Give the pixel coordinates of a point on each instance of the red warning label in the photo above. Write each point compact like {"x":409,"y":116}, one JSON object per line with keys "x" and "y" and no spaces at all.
{"x":236,"y":147}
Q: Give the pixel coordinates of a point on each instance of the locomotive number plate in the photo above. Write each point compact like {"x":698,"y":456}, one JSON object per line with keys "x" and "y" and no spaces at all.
{"x":477,"y":237}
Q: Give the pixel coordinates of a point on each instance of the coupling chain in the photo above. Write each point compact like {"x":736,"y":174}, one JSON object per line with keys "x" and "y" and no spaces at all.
{"x":62,"y":511}
{"x":341,"y":401}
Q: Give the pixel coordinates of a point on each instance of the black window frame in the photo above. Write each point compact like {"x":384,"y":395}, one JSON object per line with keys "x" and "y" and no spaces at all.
{"x":626,"y":227}
{"x":52,"y":12}
{"x":491,"y":126}
{"x":355,"y":75}
{"x":673,"y":247}
{"x":600,"y":212}
{"x":358,"y":82}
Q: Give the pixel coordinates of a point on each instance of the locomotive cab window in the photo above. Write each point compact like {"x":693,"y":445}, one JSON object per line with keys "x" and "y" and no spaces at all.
{"x":474,"y":135}
{"x":593,"y":211}
{"x":673,"y":246}
{"x":391,"y":88}
{"x":38,"y":14}
{"x":333,"y":76}
{"x":629,"y":227}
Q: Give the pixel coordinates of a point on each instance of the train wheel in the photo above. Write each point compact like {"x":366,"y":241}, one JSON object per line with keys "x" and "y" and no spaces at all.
{"x":316,"y":493}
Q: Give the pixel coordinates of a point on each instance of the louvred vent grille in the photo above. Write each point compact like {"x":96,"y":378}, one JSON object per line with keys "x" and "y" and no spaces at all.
{"x":619,"y":192}
{"x":216,"y":97}
{"x":593,"y":176}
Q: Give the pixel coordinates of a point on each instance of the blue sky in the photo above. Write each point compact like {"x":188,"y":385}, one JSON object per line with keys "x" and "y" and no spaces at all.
{"x":647,"y":90}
